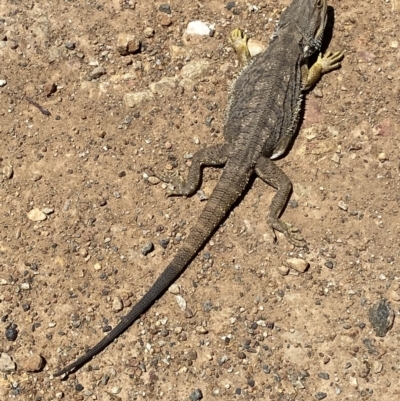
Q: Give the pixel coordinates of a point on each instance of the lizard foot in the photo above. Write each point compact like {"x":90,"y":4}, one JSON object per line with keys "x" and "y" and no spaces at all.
{"x":291,"y":233}
{"x":238,"y":41}
{"x":330,"y":61}
{"x":177,"y":187}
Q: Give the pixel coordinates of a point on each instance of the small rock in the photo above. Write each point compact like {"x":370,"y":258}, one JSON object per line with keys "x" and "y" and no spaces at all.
{"x":320,"y":395}
{"x":382,"y":157}
{"x":195,"y":69}
{"x":164,"y":86}
{"x":165,"y":8}
{"x":127,"y":44}
{"x":97,"y":72}
{"x":284,"y":270}
{"x":174,"y":289}
{"x":148,"y":32}
{"x":34,"y":363}
{"x":36,"y":215}
{"x":196,"y":395}
{"x":48,"y":210}
{"x":353,"y":381}
{"x":395,"y":296}
{"x":164,"y":20}
{"x":117,"y":304}
{"x":181,"y":302}
{"x":70,"y":45}
{"x":49,"y":88}
{"x":8,"y":172}
{"x":97,"y":266}
{"x":343,"y":205}
{"x":6,"y":363}
{"x":256,"y":47}
{"x":336,"y":158}
{"x":381,"y":317}
{"x":116,"y":390}
{"x":136,"y":99}
{"x":153,"y":180}
{"x":149,"y":247}
{"x":230,"y":5}
{"x":199,"y":28}
{"x":323,"y":375}
{"x":377,"y":367}
{"x":11,"y":333}
{"x":297,"y":264}
{"x":3,"y":83}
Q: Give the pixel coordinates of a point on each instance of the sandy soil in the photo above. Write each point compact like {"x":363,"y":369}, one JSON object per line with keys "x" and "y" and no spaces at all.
{"x":77,"y":210}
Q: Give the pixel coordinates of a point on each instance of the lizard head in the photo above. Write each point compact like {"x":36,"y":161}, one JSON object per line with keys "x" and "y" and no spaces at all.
{"x":309,"y":17}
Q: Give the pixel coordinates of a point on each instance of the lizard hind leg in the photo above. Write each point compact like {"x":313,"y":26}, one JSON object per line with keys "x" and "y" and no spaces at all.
{"x":211,"y":156}
{"x":269,"y":172}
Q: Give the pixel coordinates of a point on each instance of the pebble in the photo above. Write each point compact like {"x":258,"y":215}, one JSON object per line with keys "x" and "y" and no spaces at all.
{"x":297,"y":264}
{"x":164,"y":86}
{"x":395,"y":296}
{"x":195,"y":69}
{"x":3,"y":83}
{"x":97,"y":266}
{"x":48,"y":210}
{"x":320,"y":395}
{"x":353,"y":381}
{"x":148,"y":32}
{"x":164,"y":243}
{"x":230,"y":5}
{"x":199,"y":28}
{"x":147,"y":248}
{"x":117,"y":304}
{"x":97,"y":72}
{"x":181,"y":302}
{"x":36,"y":215}
{"x":174,"y":289}
{"x":70,"y":45}
{"x":34,"y":363}
{"x":377,"y":367}
{"x":165,"y":8}
{"x":196,"y":395}
{"x":127,"y":43}
{"x":49,"y":88}
{"x":381,"y":317}
{"x":7,"y":365}
{"x":283,"y":270}
{"x":11,"y":333}
{"x":153,"y":180}
{"x":343,"y":206}
{"x":323,"y":375}
{"x":329,"y":264}
{"x":164,"y":20}
{"x":8,"y":172}
{"x":137,"y":98}
{"x":382,"y":157}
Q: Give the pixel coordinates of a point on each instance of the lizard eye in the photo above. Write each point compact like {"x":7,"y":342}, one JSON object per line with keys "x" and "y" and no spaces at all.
{"x":319,"y":3}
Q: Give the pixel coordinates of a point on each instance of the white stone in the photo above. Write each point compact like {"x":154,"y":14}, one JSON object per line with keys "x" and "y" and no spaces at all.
{"x":199,"y":28}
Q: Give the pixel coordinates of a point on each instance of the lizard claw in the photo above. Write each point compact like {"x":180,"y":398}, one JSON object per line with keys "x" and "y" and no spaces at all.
{"x":291,"y":233}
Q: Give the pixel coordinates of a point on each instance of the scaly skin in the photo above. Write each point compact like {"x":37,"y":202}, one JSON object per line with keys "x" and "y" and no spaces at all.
{"x":261,"y":121}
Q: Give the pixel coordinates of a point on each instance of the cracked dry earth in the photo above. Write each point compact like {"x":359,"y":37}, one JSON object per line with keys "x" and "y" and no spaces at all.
{"x":80,"y":214}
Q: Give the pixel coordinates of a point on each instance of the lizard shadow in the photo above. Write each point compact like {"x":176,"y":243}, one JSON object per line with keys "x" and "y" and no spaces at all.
{"x":327,"y":38}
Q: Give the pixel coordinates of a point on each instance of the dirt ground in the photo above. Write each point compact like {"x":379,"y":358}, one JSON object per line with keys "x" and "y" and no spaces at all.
{"x":79,"y":209}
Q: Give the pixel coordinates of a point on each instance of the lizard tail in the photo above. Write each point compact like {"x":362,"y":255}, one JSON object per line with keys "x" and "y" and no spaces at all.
{"x":228,"y":190}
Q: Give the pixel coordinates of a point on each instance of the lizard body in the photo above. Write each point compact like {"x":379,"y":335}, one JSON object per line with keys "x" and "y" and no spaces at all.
{"x":261,"y":122}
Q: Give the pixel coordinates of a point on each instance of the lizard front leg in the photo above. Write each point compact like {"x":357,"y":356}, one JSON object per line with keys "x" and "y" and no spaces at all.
{"x":324,"y":64}
{"x":269,"y":172}
{"x":211,"y":156}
